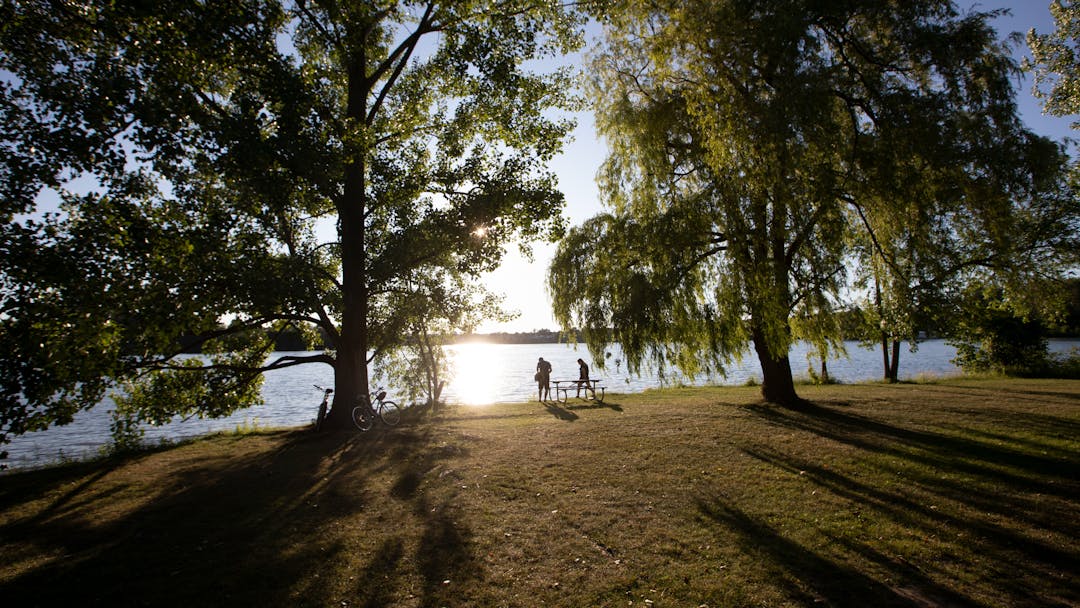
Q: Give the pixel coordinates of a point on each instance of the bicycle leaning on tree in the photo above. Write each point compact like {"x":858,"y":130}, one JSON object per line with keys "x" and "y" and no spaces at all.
{"x":366,"y":411}
{"x":322,"y":406}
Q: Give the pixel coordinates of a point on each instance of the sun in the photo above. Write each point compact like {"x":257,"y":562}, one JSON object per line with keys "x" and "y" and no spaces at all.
{"x":477,"y":366}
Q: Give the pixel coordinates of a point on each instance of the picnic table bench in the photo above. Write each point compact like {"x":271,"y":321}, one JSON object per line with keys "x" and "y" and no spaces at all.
{"x":564,"y":387}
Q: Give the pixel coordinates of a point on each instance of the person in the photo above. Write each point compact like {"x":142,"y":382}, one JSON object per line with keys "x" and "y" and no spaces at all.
{"x":583,"y":378}
{"x":543,"y":379}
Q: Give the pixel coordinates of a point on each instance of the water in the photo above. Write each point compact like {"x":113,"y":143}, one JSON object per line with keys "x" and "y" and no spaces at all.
{"x":485,"y":373}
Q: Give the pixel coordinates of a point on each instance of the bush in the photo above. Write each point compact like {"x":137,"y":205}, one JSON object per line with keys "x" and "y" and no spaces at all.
{"x":1003,"y":343}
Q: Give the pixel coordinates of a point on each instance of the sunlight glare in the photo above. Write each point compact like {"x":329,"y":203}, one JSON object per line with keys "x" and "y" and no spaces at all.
{"x":477,"y":367}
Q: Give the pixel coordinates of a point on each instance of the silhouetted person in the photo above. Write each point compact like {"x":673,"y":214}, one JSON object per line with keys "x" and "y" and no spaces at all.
{"x":583,"y":377}
{"x":543,"y":378}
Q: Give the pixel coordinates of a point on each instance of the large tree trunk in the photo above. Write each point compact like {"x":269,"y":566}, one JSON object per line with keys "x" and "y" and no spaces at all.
{"x":350,"y":370}
{"x":777,"y":385}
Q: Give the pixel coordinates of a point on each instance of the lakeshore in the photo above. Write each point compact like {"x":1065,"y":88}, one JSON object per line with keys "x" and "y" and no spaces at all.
{"x":960,"y":492}
{"x":483,"y":373}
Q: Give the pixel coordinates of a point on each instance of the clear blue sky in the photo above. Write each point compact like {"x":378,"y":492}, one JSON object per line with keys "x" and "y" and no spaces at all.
{"x":522,"y":281}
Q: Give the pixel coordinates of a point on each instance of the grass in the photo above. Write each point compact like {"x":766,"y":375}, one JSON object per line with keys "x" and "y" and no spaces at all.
{"x":960,"y":493}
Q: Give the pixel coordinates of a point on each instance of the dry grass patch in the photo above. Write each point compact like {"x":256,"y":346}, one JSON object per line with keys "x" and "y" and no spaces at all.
{"x":952,"y":494}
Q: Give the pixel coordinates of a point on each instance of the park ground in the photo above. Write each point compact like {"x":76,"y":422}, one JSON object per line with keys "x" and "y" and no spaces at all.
{"x":951,"y":493}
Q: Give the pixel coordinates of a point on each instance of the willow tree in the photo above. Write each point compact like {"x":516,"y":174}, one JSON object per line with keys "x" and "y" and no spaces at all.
{"x":229,"y":169}
{"x":754,"y":145}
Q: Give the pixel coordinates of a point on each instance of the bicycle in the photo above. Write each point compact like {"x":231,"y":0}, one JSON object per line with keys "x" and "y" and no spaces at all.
{"x":364,"y":414}
{"x":322,"y":406}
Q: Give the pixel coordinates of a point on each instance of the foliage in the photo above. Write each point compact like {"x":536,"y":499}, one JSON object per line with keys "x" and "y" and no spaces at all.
{"x":1054,"y":61}
{"x":921,"y":256}
{"x":997,"y":340}
{"x":125,"y":430}
{"x":226,"y":167}
{"x":761,"y":152}
{"x":421,"y":366}
{"x":991,"y":336}
{"x":1069,"y":323}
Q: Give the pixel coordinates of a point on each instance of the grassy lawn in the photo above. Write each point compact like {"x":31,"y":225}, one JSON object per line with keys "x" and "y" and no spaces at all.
{"x":960,"y":493}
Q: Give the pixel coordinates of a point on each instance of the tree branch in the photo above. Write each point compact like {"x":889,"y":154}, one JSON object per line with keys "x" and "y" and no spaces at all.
{"x":330,"y":36}
{"x":400,"y":58}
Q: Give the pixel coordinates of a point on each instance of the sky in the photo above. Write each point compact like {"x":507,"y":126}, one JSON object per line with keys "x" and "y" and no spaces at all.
{"x":522,"y":282}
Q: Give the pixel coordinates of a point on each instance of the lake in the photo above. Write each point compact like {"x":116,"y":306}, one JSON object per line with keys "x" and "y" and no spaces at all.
{"x":485,"y":373}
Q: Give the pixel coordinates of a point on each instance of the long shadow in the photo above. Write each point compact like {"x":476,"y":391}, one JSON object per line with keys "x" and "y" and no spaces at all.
{"x":445,"y":550}
{"x":1041,"y":395}
{"x":374,"y":584}
{"x":1028,"y":474}
{"x":596,"y":405}
{"x":993,"y":478}
{"x":260,"y":530}
{"x":1042,"y":445}
{"x":417,"y":460}
{"x":71,"y":483}
{"x":795,"y":568}
{"x":446,"y":561}
{"x":993,"y":462}
{"x":993,"y":539}
{"x":560,"y":413}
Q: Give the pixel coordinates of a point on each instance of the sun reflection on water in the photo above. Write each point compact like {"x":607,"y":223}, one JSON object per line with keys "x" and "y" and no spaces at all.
{"x":476,"y":369}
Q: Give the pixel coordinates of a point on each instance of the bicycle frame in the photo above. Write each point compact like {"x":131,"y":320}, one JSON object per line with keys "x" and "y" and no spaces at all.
{"x":322,"y":406}
{"x":368,"y":409}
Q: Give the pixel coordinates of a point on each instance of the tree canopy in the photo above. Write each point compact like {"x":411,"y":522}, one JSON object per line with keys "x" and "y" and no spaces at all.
{"x":262,"y":164}
{"x":763,"y":154}
{"x":1055,"y":63}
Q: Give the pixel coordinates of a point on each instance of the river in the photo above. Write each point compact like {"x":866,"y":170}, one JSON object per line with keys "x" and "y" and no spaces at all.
{"x":484,"y":374}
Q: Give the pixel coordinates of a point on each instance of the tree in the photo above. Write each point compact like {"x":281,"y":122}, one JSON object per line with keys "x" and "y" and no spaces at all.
{"x":267,"y":164}
{"x":422,"y":365}
{"x":990,"y":336}
{"x":1001,"y":327}
{"x":755,"y":146}
{"x":919,"y":259}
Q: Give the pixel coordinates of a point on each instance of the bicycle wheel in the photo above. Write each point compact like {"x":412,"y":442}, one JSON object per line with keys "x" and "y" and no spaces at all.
{"x":321,"y":417}
{"x":362,"y":417}
{"x":389,"y":412}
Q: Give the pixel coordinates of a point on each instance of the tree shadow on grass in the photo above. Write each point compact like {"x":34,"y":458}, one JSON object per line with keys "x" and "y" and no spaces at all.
{"x":965,"y":454}
{"x":269,"y":528}
{"x":808,"y":578}
{"x":1009,"y":503}
{"x":1030,"y":394}
{"x":74,"y":480}
{"x":371,"y":583}
{"x":207,"y":537}
{"x":1027,"y":553}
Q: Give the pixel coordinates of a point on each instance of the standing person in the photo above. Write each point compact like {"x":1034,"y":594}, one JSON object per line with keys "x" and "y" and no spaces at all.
{"x":583,"y":378}
{"x":543,"y":379}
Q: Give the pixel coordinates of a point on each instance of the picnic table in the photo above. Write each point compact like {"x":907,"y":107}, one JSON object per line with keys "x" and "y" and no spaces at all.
{"x":563,"y":388}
